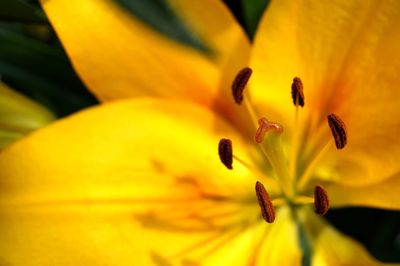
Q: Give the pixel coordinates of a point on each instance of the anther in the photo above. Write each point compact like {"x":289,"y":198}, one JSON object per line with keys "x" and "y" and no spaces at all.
{"x":264,"y":127}
{"x":338,"y":130}
{"x":297,"y":92}
{"x":267,"y":209}
{"x":321,"y":201}
{"x":240,"y":83}
{"x":225,"y":152}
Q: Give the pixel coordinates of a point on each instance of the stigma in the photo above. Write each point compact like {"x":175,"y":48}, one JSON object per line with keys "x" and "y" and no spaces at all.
{"x":264,"y":127}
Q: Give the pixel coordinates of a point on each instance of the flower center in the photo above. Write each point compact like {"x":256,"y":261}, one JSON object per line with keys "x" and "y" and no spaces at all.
{"x":268,"y":137}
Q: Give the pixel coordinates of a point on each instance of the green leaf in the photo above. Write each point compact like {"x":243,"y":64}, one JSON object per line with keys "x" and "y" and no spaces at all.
{"x":21,"y":11}
{"x":252,"y":13}
{"x":160,"y":16}
{"x":19,"y":115}
{"x":42,"y":72}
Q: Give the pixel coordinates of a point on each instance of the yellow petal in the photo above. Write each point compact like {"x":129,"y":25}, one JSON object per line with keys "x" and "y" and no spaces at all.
{"x":220,"y":31}
{"x":118,"y":56}
{"x":384,"y":194}
{"x":19,"y":115}
{"x":330,"y":247}
{"x":347,"y":55}
{"x":281,"y":244}
{"x":123,"y":184}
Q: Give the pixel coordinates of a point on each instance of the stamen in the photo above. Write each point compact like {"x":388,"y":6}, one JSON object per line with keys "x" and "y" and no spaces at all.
{"x":338,"y":130}
{"x":252,"y":168}
{"x":307,"y":174}
{"x":226,"y":156}
{"x":225,"y":152}
{"x":240,"y":83}
{"x":297,"y":92}
{"x":278,"y":201}
{"x":301,"y":200}
{"x":321,"y":201}
{"x":267,"y":209}
{"x":264,"y":127}
{"x":298,"y":100}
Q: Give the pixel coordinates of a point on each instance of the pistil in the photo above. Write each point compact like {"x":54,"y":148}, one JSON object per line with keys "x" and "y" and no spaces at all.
{"x":268,"y":135}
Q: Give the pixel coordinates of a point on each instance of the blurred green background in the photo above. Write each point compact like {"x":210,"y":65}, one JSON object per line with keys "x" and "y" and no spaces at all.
{"x":33,"y":62}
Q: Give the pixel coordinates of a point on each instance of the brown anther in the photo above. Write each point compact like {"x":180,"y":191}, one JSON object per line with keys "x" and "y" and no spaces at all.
{"x":264,"y":127}
{"x":321,"y":201}
{"x":338,"y":129}
{"x":267,"y":209}
{"x":297,"y":92}
{"x":239,"y":83}
{"x":225,"y":152}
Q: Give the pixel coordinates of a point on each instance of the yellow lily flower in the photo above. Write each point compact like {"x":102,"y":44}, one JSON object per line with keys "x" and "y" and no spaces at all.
{"x":139,"y":182}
